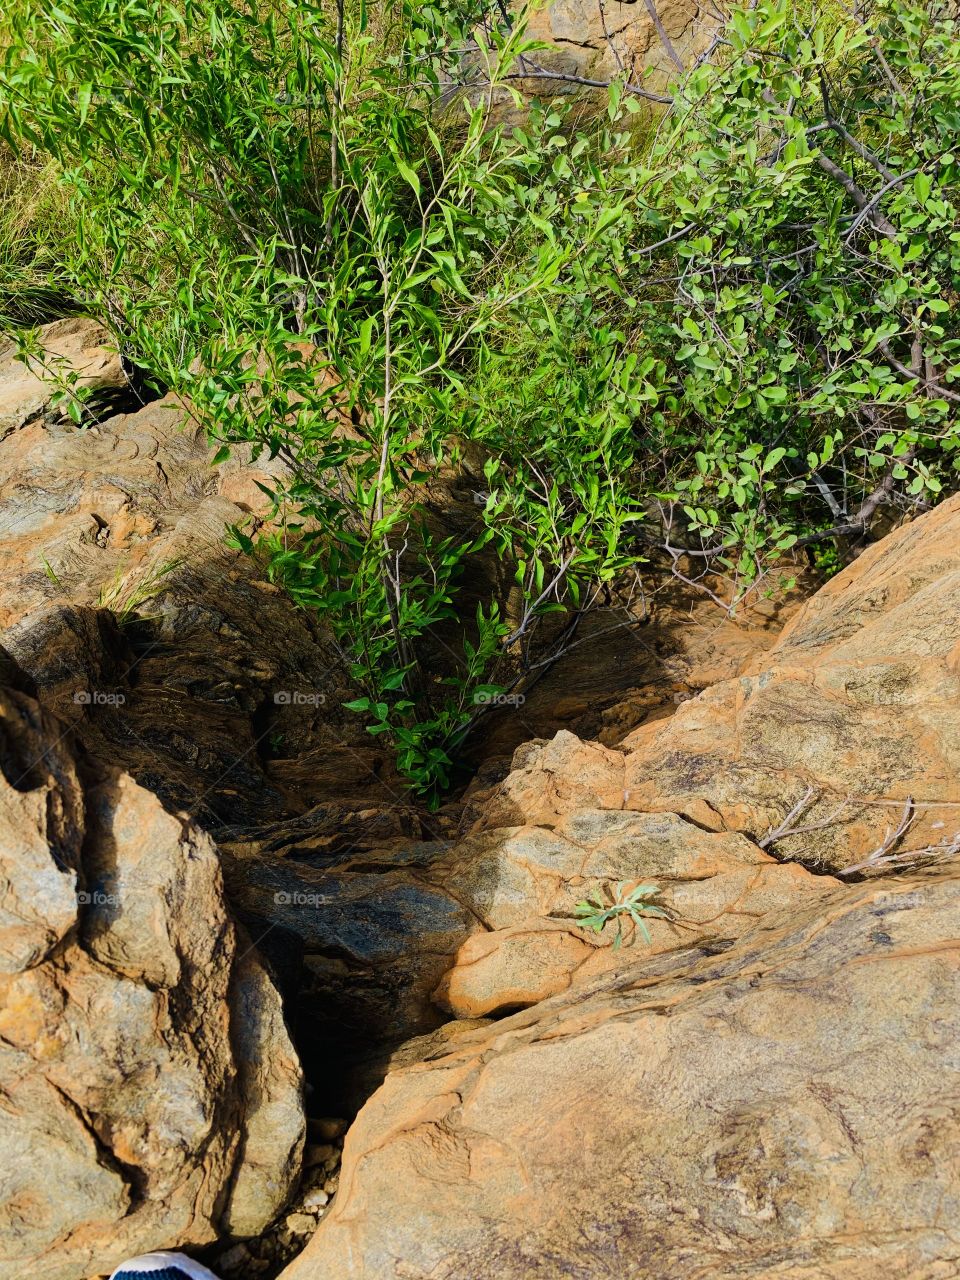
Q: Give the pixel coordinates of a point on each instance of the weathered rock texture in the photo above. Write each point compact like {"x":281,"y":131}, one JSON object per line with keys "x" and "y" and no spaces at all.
{"x":770,"y":1087}
{"x":167,"y":649}
{"x":523,"y":883}
{"x":789,"y":1108}
{"x":603,"y":39}
{"x":856,"y":707}
{"x":149,"y":1093}
{"x":858,"y":703}
{"x":71,"y":347}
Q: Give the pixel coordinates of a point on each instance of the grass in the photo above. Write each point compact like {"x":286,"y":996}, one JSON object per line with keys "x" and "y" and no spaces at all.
{"x":124,"y":602}
{"x":32,"y":225}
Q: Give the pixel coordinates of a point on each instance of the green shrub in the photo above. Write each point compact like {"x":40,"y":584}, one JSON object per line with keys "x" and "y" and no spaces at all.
{"x":723,"y":332}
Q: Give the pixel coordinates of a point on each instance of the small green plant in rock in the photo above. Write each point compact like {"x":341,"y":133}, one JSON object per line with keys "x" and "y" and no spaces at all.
{"x":124,"y":602}
{"x":594,"y":912}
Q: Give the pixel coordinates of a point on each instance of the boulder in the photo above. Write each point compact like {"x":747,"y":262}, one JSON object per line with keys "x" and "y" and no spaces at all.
{"x":74,"y":355}
{"x":166,"y":648}
{"x":787,"y":1107}
{"x":151,"y":1095}
{"x":550,"y":778}
{"x":600,"y":41}
{"x":524,"y":883}
{"x":359,"y":948}
{"x":851,"y":721}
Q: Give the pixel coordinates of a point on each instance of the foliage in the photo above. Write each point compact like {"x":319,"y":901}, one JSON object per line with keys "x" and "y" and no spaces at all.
{"x":714,"y":336}
{"x":817,"y":263}
{"x":30,"y":236}
{"x":595,"y":912}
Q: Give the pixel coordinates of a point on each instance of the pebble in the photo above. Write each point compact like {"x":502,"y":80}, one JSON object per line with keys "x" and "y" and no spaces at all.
{"x":300,"y":1223}
{"x":316,"y":1199}
{"x":326,"y":1128}
{"x":237,"y":1256}
{"x":320,"y":1153}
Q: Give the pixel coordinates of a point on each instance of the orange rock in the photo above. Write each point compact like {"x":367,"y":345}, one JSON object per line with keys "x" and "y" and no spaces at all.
{"x":787,"y":1108}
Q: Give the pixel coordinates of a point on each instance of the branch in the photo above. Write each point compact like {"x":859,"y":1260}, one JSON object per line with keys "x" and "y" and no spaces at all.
{"x":863,"y":203}
{"x":891,"y":840}
{"x":866,"y":212}
{"x":539,"y":73}
{"x":928,"y":383}
{"x":777,"y":833}
{"x":662,"y":33}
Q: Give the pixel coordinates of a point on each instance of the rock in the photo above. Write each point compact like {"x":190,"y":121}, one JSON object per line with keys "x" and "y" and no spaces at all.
{"x":164,"y":647}
{"x":151,"y":1094}
{"x":857,"y":704}
{"x":585,"y":45}
{"x":75,"y":348}
{"x":326,"y":1129}
{"x":510,"y":969}
{"x":524,"y":883}
{"x":597,"y":42}
{"x":787,"y":1107}
{"x":319,"y":1153}
{"x":549,"y":779}
{"x":270,"y":1082}
{"x":359,"y":947}
{"x":299,"y":1223}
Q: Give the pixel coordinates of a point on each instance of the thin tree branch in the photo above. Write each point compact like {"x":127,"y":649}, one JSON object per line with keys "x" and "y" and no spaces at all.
{"x":662,"y":33}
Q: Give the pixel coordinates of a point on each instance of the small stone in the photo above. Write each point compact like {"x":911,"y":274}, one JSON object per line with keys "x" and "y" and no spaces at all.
{"x":236,"y":1256}
{"x":316,"y":1199}
{"x":319,"y":1153}
{"x":326,"y":1128}
{"x":331,"y":1185}
{"x":299,"y":1223}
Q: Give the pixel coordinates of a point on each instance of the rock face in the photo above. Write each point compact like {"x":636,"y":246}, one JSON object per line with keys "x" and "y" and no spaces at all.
{"x":602,"y":39}
{"x":359,"y":946}
{"x":72,"y":347}
{"x":150,"y":1093}
{"x":171,"y":656}
{"x":787,"y":1108}
{"x":523,"y":884}
{"x":770,"y":1086}
{"x":167,"y":649}
{"x":857,"y":707}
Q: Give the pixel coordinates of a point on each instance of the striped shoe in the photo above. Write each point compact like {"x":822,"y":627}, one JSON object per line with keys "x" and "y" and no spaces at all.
{"x":162,"y":1266}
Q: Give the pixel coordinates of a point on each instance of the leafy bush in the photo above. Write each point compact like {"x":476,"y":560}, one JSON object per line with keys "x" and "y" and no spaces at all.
{"x":817,"y":268}
{"x":713,"y":336}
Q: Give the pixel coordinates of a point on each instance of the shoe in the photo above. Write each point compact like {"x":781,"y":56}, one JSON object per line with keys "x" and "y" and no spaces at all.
{"x":162,"y":1266}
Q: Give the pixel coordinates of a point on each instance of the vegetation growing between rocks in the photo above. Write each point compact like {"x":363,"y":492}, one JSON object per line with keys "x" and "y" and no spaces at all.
{"x":716,"y":334}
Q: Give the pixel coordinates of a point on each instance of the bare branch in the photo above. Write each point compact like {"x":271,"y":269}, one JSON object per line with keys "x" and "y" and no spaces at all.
{"x":662,"y":33}
{"x":540,"y":73}
{"x":890,"y":842}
